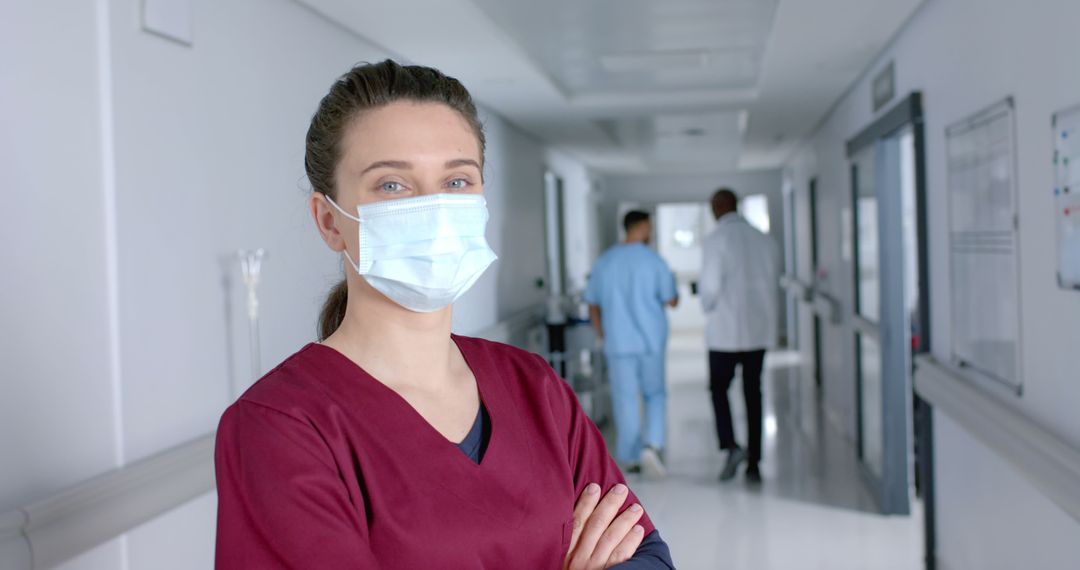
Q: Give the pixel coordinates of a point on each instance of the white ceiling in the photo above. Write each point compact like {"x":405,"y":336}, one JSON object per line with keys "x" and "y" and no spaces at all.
{"x":644,"y":85}
{"x":599,"y":47}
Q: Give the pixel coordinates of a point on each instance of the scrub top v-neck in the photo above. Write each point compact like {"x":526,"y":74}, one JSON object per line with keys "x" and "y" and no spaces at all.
{"x":475,"y":442}
{"x":319,"y":465}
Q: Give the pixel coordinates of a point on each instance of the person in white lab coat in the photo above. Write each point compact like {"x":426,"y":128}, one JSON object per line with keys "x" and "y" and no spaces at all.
{"x":738,"y":292}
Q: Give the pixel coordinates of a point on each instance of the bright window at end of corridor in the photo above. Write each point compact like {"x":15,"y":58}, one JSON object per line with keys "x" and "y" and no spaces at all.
{"x":756,"y":211}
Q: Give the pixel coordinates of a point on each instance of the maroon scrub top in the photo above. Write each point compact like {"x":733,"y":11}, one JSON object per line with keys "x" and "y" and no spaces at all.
{"x":320,"y":465}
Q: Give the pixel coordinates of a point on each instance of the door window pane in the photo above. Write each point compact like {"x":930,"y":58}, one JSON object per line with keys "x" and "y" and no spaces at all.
{"x":909,"y":198}
{"x":870,"y":404}
{"x":867,"y":262}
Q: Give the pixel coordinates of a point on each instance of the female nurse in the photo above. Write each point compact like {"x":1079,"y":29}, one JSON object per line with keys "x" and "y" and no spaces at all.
{"x":393,"y":443}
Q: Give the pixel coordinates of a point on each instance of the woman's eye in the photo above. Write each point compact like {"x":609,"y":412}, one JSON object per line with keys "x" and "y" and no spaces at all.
{"x":391,"y":187}
{"x":458,"y":183}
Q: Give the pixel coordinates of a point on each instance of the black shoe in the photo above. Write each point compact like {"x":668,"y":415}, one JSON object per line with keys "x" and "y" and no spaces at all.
{"x":634,"y":469}
{"x":753,"y":475}
{"x":735,"y":456}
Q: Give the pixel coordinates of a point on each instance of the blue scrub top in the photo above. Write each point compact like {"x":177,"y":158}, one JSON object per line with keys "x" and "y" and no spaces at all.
{"x":631,"y":283}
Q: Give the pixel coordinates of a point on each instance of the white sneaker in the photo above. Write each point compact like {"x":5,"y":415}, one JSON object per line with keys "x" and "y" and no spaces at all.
{"x":652,"y":467}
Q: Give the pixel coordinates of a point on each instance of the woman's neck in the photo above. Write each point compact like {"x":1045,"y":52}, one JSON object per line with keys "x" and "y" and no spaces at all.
{"x":397,"y":346}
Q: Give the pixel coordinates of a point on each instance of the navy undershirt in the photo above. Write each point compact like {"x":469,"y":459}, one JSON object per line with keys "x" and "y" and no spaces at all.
{"x":652,"y":554}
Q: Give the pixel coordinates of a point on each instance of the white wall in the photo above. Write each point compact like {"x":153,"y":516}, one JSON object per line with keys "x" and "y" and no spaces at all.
{"x":56,"y":410}
{"x":133,"y":168}
{"x":580,"y":198}
{"x":964,"y":55}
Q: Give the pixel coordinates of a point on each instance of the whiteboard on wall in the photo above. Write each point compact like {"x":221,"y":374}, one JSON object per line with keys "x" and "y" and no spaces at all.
{"x":1066,"y":129}
{"x":983,"y":242}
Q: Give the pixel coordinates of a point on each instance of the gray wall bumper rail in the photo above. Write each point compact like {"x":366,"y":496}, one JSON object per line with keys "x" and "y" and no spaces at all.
{"x":48,"y":532}
{"x":1050,"y":463}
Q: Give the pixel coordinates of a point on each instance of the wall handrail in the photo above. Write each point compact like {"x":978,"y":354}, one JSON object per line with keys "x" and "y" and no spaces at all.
{"x":823,"y":303}
{"x":97,"y":510}
{"x":1049,"y":462}
{"x":797,"y":288}
{"x":50,"y":531}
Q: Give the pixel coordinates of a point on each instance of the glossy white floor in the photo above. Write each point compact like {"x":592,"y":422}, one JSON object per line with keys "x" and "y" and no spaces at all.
{"x":812,"y":512}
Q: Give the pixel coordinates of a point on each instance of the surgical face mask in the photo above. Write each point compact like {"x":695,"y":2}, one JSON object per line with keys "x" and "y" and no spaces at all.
{"x":424,"y":252}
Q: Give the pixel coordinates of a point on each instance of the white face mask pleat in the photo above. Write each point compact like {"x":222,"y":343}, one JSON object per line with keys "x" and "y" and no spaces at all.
{"x":424,"y":252}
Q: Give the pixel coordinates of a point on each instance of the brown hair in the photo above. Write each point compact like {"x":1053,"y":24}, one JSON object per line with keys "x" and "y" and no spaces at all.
{"x":364,"y":88}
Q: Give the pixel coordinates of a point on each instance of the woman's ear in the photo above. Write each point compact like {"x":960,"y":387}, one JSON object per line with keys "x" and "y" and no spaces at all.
{"x":323,"y":215}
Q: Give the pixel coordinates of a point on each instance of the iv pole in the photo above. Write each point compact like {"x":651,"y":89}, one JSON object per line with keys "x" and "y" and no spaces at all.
{"x":251,"y":267}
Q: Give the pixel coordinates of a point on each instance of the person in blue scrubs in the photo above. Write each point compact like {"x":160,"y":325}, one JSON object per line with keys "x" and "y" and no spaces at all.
{"x":628,"y":290}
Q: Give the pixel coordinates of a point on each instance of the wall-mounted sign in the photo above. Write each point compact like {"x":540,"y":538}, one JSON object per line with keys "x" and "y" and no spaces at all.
{"x":884,"y":87}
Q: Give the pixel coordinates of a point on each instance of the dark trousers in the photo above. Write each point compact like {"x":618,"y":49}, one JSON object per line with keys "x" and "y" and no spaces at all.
{"x":721,"y":373}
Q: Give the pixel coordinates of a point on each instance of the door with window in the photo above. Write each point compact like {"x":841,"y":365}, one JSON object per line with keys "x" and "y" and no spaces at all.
{"x":867,"y":319}
{"x":890,"y":308}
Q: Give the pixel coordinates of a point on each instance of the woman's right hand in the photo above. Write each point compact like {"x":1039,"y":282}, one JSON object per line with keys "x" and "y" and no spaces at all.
{"x":601,"y":539}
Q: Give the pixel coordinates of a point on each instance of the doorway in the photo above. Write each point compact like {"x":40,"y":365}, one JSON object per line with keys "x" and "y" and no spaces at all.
{"x":819,"y":354}
{"x":681,"y":228}
{"x":555,"y":233}
{"x":556,"y":317}
{"x":891,"y":308}
{"x":791,"y":268}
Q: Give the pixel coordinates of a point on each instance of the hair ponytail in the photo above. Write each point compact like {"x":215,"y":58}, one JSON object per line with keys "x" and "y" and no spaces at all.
{"x":333,"y":310}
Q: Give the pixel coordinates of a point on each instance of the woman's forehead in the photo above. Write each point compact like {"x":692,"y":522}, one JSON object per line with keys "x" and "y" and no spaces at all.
{"x":412,"y":132}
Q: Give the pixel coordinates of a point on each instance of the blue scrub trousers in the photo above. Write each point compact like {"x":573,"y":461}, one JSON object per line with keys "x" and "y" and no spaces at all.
{"x":634,"y":377}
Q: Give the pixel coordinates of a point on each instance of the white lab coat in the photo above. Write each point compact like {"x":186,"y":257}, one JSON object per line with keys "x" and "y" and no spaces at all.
{"x":739,"y":286}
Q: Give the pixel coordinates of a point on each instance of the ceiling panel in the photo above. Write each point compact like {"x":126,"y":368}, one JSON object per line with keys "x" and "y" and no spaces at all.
{"x":598,"y":46}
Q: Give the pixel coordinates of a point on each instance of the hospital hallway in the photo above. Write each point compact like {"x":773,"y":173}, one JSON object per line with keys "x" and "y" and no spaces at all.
{"x":812,"y":512}
{"x":206,"y":198}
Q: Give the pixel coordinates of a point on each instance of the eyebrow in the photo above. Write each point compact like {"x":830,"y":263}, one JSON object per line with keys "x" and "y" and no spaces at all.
{"x":399,"y":164}
{"x":462,"y":162}
{"x":403,"y":165}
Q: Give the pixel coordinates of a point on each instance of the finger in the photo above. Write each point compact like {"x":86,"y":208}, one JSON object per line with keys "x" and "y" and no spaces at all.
{"x":616,"y":532}
{"x":586,"y":503}
{"x":599,"y":521}
{"x":629,"y":545}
